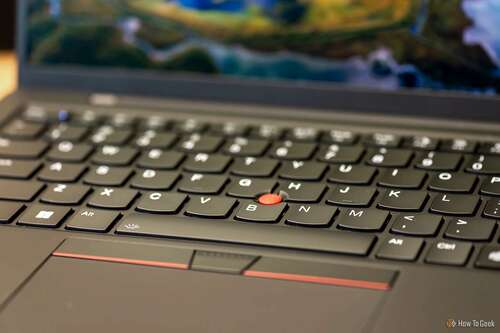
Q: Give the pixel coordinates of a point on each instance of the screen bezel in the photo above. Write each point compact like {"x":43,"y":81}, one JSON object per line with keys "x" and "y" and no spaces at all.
{"x":320,"y":96}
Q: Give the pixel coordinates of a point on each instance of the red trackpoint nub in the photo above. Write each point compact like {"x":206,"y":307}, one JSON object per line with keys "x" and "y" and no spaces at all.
{"x":270,"y":199}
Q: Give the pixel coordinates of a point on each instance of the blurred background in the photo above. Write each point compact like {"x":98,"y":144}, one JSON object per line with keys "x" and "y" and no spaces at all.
{"x":7,"y":24}
{"x":7,"y":58}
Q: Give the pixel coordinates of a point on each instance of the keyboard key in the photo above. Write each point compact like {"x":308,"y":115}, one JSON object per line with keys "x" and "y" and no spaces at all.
{"x":390,"y":158}
{"x":160,"y":159}
{"x":484,"y":165}
{"x":492,"y":209}
{"x":459,"y":146}
{"x":489,"y":257}
{"x":18,"y":169}
{"x":20,"y":129}
{"x":402,"y":178}
{"x":439,"y":161}
{"x":66,"y":151}
{"x":63,"y":194}
{"x":202,"y":184}
{"x":362,"y":219}
{"x":352,"y":174}
{"x":302,"y":192}
{"x":400,"y":248}
{"x":351,"y":196}
{"x":112,"y":198}
{"x":253,"y":212}
{"x":153,"y":139}
{"x":492,"y":148}
{"x":9,"y":211}
{"x":289,"y":150}
{"x":189,"y":126}
{"x":250,"y":188}
{"x":306,"y":134}
{"x":248,"y":233}
{"x":452,"y":182}
{"x":122,"y":120}
{"x":37,"y":114}
{"x":87,"y":219}
{"x":421,"y":143}
{"x":62,"y":172}
{"x":491,"y":186}
{"x":340,"y":154}
{"x":403,"y":200}
{"x":17,"y":190}
{"x":455,"y":204}
{"x":474,"y":229}
{"x":385,"y":140}
{"x":268,"y":132}
{"x":449,"y":253}
{"x":417,"y":224}
{"x":210,"y":207}
{"x":66,"y":132}
{"x":44,"y":216}
{"x":107,"y":176}
{"x":108,"y":135}
{"x":229,"y":129}
{"x":340,"y":137}
{"x":254,"y":167}
{"x":154,"y":180}
{"x":197,"y":143}
{"x":310,"y":215}
{"x":155,"y":123}
{"x":205,"y":163}
{"x":114,"y":155}
{"x":245,"y":147}
{"x":161,"y":202}
{"x":21,"y":149}
{"x":87,"y":118}
{"x":300,"y":170}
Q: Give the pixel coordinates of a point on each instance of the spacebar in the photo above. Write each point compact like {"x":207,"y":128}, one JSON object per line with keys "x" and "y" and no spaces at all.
{"x":246,"y":233}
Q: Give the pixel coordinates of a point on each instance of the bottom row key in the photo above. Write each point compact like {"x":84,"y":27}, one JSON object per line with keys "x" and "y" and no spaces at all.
{"x":449,"y":253}
{"x":44,"y":216}
{"x":400,"y":248}
{"x":88,"y":219}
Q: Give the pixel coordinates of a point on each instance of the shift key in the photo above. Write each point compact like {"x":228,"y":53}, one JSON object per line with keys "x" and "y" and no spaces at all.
{"x":19,"y":190}
{"x":22,"y":149}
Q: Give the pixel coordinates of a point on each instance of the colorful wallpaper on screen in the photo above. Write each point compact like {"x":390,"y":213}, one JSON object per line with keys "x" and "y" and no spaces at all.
{"x":387,"y":44}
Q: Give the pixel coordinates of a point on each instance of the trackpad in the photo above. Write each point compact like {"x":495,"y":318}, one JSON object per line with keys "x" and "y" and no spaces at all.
{"x":74,"y":295}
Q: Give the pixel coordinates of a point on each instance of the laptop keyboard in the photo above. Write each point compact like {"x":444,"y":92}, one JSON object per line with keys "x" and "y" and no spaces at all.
{"x":384,"y":196}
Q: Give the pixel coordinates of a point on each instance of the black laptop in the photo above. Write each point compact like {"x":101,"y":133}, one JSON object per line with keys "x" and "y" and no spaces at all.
{"x":252,"y":166}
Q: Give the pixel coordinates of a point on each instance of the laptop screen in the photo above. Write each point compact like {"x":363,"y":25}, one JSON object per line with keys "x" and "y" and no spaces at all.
{"x":451,"y":45}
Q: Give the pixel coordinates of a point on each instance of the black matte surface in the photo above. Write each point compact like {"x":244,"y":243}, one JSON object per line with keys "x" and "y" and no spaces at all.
{"x":80,"y":296}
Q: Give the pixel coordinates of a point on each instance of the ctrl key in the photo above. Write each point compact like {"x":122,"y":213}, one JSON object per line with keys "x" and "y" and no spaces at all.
{"x":449,"y":253}
{"x":489,"y":257}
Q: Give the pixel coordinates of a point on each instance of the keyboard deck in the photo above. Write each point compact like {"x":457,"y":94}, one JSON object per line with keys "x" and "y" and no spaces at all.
{"x":380,"y":195}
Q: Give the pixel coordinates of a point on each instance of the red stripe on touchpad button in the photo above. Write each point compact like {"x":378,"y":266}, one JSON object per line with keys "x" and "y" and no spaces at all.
{"x":122,"y":260}
{"x":320,"y":280}
{"x":125,"y":253}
